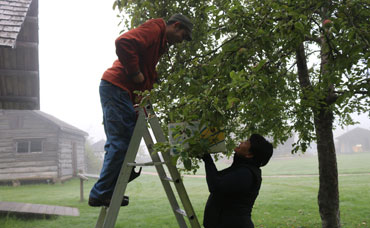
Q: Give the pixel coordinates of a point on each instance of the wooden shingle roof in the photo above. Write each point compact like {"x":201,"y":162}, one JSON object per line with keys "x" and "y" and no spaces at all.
{"x":12,"y":16}
{"x":61,"y":124}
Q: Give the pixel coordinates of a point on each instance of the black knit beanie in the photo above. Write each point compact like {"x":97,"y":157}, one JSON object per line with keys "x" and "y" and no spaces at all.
{"x":261,"y":149}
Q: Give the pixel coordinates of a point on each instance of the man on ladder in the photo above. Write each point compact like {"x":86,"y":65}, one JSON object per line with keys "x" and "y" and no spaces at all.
{"x":138,"y":51}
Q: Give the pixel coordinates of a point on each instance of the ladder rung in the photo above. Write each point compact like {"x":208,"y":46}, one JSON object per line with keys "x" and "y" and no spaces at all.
{"x":170,"y":179}
{"x":146,"y":164}
{"x":167,"y":179}
{"x":181,"y":212}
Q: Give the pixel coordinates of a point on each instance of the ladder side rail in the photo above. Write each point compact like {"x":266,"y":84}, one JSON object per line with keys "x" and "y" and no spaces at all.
{"x":158,"y":133}
{"x":122,"y":181}
{"x":102,"y":214}
{"x":166,"y":185}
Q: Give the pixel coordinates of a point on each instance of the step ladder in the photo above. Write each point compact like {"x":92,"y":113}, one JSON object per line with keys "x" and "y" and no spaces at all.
{"x":108,"y":215}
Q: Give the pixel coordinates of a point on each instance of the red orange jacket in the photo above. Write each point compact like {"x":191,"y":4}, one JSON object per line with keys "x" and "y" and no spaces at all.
{"x":138,"y":50}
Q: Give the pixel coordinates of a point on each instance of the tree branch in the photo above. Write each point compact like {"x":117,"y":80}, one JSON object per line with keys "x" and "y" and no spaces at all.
{"x":355,"y":92}
{"x":313,"y":39}
{"x":211,"y":52}
{"x":303,"y":74}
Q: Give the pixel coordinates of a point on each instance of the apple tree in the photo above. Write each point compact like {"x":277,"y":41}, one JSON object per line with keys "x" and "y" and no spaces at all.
{"x":266,"y":66}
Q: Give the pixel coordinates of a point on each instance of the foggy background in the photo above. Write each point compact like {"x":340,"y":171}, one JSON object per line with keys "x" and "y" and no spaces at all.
{"x":76,"y":47}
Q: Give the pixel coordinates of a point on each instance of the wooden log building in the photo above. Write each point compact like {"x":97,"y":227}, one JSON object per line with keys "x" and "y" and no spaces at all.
{"x":33,"y":144}
{"x":19,"y":55}
{"x":355,"y":140}
{"x":38,"y":146}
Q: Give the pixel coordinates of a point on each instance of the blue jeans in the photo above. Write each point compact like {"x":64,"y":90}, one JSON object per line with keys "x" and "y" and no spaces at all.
{"x":119,"y":120}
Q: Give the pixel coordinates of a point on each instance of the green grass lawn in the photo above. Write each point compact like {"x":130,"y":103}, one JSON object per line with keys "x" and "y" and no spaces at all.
{"x":347,"y":164}
{"x":283,"y":201}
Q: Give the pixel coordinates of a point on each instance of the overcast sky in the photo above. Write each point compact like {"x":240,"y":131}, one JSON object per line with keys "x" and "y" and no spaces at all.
{"x":76,"y":47}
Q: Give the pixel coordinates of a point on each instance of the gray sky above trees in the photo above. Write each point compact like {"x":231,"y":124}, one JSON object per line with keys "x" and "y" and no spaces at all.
{"x":76,"y":47}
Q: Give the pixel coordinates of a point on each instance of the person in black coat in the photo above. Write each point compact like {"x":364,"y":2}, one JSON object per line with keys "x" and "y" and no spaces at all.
{"x":234,"y":189}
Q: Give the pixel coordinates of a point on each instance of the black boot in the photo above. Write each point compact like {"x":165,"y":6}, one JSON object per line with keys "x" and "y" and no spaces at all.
{"x":94,"y":202}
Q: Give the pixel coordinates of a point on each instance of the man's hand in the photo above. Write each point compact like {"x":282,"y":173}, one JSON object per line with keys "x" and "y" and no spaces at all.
{"x":139,"y":78}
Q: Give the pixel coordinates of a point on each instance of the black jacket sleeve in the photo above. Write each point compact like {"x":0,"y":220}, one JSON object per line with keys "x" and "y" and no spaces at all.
{"x":236,"y":180}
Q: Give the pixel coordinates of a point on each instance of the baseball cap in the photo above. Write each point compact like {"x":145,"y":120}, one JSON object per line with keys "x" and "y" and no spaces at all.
{"x":185,"y":22}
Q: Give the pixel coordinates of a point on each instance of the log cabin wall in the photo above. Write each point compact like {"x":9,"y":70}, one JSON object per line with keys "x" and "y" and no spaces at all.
{"x":37,"y":146}
{"x":71,"y":155}
{"x":17,"y":164}
{"x":19,"y":55}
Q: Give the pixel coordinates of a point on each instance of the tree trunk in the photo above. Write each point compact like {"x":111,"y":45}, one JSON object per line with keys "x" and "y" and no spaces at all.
{"x":328,"y":197}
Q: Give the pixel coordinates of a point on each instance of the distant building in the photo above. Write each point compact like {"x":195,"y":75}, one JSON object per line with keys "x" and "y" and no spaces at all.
{"x":141,"y":156}
{"x":19,"y":55}
{"x":37,"y":146}
{"x":284,"y":149}
{"x":98,"y":149}
{"x":356,"y":140}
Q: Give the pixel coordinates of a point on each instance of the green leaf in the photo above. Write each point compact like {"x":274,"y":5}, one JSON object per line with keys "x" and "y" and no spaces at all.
{"x":187,"y":163}
{"x":259,"y":65}
{"x":298,"y":25}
